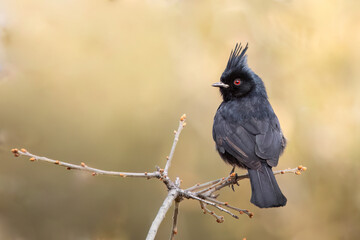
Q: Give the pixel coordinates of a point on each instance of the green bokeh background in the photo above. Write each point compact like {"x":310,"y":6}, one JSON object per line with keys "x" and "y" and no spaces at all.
{"x":105,"y":82}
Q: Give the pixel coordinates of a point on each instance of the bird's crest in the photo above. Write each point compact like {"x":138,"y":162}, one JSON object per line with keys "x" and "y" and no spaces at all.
{"x":237,"y":57}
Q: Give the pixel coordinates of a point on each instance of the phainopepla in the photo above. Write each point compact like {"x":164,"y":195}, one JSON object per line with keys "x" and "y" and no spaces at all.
{"x":246,"y":130}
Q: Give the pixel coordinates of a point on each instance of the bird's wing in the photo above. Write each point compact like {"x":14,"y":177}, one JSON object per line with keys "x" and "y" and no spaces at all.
{"x":250,"y":142}
{"x":269,"y":141}
{"x":237,"y":141}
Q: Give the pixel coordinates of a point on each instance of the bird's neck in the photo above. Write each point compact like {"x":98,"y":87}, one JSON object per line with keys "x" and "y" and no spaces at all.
{"x":258,"y":92}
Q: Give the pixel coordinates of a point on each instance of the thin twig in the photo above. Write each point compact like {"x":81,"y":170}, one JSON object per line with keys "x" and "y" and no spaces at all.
{"x":174,"y":230}
{"x":298,"y":170}
{"x":219,"y":219}
{"x":199,"y":186}
{"x":84,"y":167}
{"x":212,"y":204}
{"x":213,"y":187}
{"x":225,"y":204}
{"x":173,"y":193}
{"x":182,"y":124}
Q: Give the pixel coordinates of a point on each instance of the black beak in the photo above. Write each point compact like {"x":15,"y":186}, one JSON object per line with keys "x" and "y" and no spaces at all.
{"x":220,"y":84}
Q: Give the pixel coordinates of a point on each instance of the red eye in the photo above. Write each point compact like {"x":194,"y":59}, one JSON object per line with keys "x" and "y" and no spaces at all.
{"x":237,"y":82}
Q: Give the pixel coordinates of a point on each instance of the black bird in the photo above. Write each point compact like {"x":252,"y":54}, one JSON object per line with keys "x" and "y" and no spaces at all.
{"x":246,"y":130}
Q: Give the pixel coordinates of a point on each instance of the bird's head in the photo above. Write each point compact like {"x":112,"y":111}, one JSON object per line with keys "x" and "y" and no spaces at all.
{"x":238,"y":79}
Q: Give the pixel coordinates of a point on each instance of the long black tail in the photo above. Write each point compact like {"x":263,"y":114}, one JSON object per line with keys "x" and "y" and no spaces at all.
{"x":265,"y":190}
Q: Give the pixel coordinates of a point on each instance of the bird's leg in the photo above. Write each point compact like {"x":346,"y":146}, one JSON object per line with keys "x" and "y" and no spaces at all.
{"x":235,"y":175}
{"x":232,"y":170}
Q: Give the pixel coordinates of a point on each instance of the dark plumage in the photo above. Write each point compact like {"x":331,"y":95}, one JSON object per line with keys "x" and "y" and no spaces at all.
{"x":246,"y":130}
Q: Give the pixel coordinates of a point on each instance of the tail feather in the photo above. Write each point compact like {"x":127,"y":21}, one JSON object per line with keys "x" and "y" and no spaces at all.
{"x":265,"y":190}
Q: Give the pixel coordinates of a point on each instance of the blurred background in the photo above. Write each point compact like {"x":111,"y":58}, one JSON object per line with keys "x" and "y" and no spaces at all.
{"x":105,"y":82}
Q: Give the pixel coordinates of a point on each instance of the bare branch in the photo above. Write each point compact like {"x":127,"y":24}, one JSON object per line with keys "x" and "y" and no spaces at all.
{"x":84,"y":167}
{"x":225,"y":204}
{"x":219,"y":219}
{"x":190,"y":195}
{"x":210,"y":187}
{"x":204,"y":193}
{"x":182,"y":124}
{"x":174,"y":230}
{"x":199,"y":186}
{"x":173,"y":193}
{"x":213,"y":187}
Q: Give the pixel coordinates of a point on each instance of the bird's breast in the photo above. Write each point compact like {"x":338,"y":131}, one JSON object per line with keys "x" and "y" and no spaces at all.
{"x":244,"y":109}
